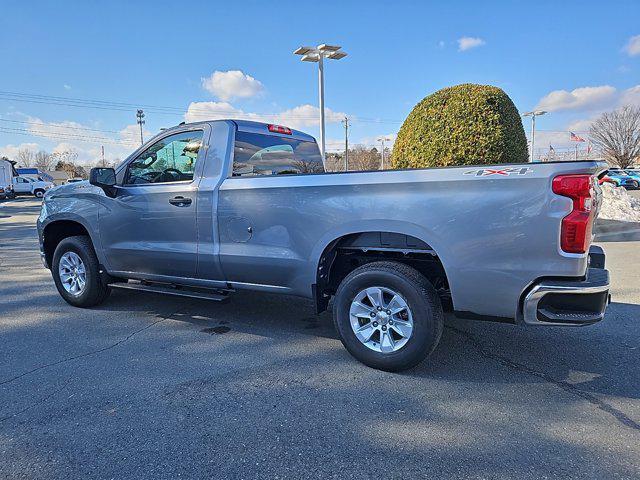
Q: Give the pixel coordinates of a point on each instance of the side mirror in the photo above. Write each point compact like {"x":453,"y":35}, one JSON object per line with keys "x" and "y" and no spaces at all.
{"x":105,"y":178}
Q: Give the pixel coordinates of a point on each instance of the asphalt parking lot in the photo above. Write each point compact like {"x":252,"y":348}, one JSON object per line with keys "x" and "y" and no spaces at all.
{"x":260,"y":387}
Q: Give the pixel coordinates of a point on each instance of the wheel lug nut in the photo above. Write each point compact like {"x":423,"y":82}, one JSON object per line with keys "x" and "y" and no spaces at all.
{"x":379,"y":309}
{"x":373,"y":314}
{"x":384,"y":328}
{"x":388,"y":312}
{"x":390,"y":322}
{"x":375,"y":324}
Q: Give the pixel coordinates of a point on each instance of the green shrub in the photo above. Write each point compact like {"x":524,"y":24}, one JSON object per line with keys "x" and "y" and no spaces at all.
{"x":462,"y":125}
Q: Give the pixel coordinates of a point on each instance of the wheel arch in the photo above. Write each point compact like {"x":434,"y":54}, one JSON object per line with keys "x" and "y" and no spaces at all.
{"x":396,"y":243}
{"x":54,"y":231}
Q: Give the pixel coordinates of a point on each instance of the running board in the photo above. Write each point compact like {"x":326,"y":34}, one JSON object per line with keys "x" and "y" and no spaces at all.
{"x":177,"y":290}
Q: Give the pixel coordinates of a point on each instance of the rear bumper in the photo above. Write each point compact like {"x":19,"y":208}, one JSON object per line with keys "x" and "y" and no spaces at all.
{"x":569,"y":302}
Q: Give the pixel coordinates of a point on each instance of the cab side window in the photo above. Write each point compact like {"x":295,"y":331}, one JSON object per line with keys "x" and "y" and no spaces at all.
{"x":257,"y":154}
{"x":172,"y":159}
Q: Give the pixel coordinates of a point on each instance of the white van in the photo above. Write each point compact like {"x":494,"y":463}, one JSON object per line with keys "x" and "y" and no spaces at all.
{"x":6,"y":179}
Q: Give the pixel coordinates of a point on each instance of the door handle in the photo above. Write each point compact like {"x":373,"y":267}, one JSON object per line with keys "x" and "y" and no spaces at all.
{"x":180,"y":201}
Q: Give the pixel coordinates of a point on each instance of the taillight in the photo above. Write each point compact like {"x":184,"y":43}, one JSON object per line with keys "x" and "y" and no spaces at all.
{"x":575,"y":232}
{"x":279,"y":129}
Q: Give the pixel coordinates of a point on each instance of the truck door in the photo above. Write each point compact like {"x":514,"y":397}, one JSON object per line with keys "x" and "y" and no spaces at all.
{"x":21,"y":185}
{"x":150,"y":226}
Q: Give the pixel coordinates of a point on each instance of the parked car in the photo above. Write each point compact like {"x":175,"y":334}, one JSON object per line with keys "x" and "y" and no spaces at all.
{"x":30,"y":186}
{"x":185,"y":215}
{"x":607,"y":179}
{"x":628,"y":179}
{"x":75,"y":180}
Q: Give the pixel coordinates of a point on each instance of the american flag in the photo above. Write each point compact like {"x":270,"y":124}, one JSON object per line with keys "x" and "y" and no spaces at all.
{"x":551,"y":149}
{"x":576,"y":138}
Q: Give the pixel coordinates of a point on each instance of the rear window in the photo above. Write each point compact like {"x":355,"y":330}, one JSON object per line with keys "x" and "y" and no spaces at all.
{"x":256,"y":154}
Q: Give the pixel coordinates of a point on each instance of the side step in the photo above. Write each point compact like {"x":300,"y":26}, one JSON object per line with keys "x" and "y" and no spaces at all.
{"x":169,"y":289}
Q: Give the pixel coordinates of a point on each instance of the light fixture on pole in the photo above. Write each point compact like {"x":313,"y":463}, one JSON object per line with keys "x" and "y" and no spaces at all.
{"x":533,"y":114}
{"x":317,"y":55}
{"x":382,"y":140}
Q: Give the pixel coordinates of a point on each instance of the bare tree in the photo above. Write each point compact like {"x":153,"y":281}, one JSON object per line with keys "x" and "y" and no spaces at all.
{"x":25,"y":157}
{"x":43,"y":161}
{"x":617,"y":134}
{"x":65,"y":156}
{"x":362,"y":158}
{"x":334,"y":162}
{"x":303,"y":165}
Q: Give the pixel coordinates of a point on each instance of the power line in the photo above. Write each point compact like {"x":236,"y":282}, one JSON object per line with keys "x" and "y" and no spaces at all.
{"x":167,"y":110}
{"x":80,"y":138}
{"x":67,"y":127}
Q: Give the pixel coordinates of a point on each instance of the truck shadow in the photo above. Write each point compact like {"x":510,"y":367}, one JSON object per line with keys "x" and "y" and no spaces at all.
{"x":596,"y":359}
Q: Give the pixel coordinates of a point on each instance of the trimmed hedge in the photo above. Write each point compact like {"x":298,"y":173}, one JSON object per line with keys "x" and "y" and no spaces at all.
{"x":462,"y":125}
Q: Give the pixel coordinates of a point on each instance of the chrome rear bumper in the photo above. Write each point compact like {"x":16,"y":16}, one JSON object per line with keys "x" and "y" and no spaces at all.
{"x":569,"y":302}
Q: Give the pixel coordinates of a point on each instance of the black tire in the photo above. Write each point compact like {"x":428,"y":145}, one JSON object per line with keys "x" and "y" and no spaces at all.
{"x":634,"y":185}
{"x":95,"y":290}
{"x":422,"y":299}
{"x":38,"y":193}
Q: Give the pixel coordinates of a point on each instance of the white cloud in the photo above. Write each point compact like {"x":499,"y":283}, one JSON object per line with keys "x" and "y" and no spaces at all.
{"x":298,"y":117}
{"x":70,"y":135}
{"x":374,"y":142}
{"x":555,"y":139}
{"x":67,"y":87}
{"x":633,"y":46}
{"x":232,"y":84}
{"x":10,"y":151}
{"x":130,"y":135}
{"x":467,"y":43}
{"x":441,"y":44}
{"x":584,"y":98}
{"x":630,"y":96}
{"x":335,"y":145}
{"x":581,"y":125}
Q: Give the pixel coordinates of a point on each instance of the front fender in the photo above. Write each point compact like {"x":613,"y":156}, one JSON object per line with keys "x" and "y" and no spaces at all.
{"x":80,"y":209}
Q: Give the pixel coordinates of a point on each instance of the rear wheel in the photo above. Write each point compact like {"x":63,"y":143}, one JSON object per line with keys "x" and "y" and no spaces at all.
{"x":388,"y":315}
{"x":39,"y":193}
{"x":76,"y":272}
{"x":634,"y":184}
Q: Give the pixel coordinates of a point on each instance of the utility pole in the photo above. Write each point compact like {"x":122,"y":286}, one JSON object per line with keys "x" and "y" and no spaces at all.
{"x":103,"y":162}
{"x":140,"y":121}
{"x":345,"y":122}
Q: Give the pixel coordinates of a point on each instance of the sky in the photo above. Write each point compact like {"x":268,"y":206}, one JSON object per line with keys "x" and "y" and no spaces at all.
{"x":73,"y":73}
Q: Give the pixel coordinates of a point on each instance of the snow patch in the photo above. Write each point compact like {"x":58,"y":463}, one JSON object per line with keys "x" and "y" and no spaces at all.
{"x":617,"y":204}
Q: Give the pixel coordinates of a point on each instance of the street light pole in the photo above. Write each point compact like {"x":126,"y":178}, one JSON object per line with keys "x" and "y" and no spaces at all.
{"x":533,"y":114}
{"x":382,"y":140}
{"x":317,"y":55}
{"x":321,"y":97}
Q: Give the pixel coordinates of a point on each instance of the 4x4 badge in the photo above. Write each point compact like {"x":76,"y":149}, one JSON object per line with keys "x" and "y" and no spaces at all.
{"x":505,"y":172}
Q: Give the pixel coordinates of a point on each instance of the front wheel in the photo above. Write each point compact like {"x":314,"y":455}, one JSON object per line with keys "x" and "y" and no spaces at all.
{"x":388,"y":315}
{"x":76,"y":272}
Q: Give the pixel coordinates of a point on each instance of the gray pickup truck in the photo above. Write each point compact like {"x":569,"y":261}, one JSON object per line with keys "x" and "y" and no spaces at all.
{"x":205,"y":209}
